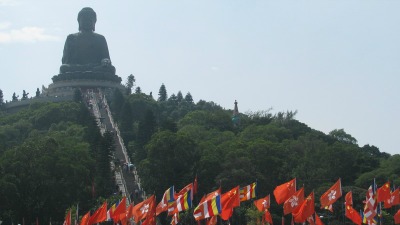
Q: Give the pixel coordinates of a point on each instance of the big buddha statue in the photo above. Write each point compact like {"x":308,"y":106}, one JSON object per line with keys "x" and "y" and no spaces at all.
{"x":86,"y":51}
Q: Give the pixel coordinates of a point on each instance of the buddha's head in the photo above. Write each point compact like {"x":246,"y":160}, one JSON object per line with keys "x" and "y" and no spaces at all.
{"x":87,"y":19}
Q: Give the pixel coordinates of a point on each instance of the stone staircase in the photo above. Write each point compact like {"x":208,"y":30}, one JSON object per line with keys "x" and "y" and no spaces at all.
{"x":126,"y":176}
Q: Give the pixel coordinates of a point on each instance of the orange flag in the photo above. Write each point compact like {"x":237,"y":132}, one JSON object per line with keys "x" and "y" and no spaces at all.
{"x":100,"y":215}
{"x":353,"y":215}
{"x":348,"y":198}
{"x":212,"y":221}
{"x":67,"y":220}
{"x":263,"y":203}
{"x":125,"y":216}
{"x":142,"y":209}
{"x":284,"y":191}
{"x":383,"y":192}
{"x":268,"y":217}
{"x":394,"y":199}
{"x":306,"y":209}
{"x":331,"y":195}
{"x":85,"y":219}
{"x":229,"y":200}
{"x":397,"y":217}
{"x":121,"y":209}
{"x":294,"y":202}
{"x":318,"y":220}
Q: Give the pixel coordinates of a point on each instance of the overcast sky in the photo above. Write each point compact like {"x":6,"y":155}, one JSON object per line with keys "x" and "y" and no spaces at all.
{"x":337,"y":62}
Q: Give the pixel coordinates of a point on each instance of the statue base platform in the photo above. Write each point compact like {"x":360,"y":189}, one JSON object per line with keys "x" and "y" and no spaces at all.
{"x":65,"y":84}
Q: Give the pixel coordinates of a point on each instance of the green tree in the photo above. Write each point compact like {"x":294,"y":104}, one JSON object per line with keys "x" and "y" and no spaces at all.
{"x":1,"y":97}
{"x":130,"y":83}
{"x":342,"y":136}
{"x":189,"y":98}
{"x":179,"y":96}
{"x":162,"y":94}
{"x":171,"y":159}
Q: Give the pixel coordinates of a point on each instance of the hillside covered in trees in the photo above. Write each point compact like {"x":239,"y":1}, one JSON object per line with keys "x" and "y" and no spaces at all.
{"x":52,"y":155}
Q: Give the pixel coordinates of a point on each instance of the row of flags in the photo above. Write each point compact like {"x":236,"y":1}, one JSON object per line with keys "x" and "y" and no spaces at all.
{"x":222,"y":204}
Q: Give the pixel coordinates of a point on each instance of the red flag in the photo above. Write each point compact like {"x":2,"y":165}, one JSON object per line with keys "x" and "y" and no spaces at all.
{"x":263,"y":203}
{"x":293,"y":203}
{"x":100,"y":215}
{"x":121,"y":209}
{"x":397,"y":217}
{"x":268,"y":217}
{"x":318,"y":220}
{"x":151,"y":214}
{"x":142,"y":209}
{"x":310,"y":220}
{"x":229,"y":200}
{"x":331,"y":195}
{"x":383,"y":193}
{"x":394,"y":199}
{"x":306,"y":209}
{"x":348,"y":198}
{"x":67,"y":220}
{"x":85,"y":219}
{"x":125,"y":216}
{"x":353,"y":215}
{"x":284,"y":191}
{"x":212,"y":221}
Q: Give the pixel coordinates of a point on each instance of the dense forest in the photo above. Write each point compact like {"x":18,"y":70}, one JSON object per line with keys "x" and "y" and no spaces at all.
{"x":52,"y":155}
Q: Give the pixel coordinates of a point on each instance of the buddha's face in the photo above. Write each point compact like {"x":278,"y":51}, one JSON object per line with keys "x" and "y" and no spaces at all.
{"x":87,"y":22}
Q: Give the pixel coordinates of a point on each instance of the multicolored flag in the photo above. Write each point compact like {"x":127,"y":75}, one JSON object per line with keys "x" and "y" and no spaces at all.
{"x":331,"y":195}
{"x":284,"y":191}
{"x":248,"y":192}
{"x":175,"y":219}
{"x":293,"y":203}
{"x":183,"y":202}
{"x":168,"y":197}
{"x":370,"y":207}
{"x":208,"y":208}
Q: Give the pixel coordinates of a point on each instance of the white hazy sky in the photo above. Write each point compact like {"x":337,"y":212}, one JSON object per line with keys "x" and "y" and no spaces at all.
{"x":335,"y":61}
